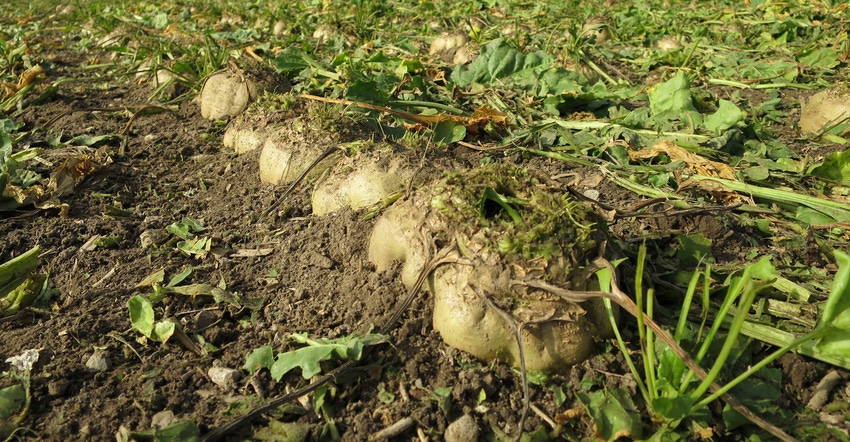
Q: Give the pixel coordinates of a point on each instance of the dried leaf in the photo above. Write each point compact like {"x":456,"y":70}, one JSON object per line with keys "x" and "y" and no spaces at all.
{"x":696,"y":163}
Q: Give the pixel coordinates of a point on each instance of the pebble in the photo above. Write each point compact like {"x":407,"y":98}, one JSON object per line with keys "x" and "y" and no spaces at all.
{"x":464,"y":429}
{"x":99,"y":362}
{"x":205,"y":318}
{"x":224,"y":377}
{"x":58,"y":388}
{"x":163,"y":419}
{"x":152,"y":237}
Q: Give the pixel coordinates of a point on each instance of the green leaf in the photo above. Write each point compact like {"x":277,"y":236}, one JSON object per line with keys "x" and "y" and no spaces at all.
{"x":160,"y":21}
{"x":262,"y":357}
{"x":757,"y":173}
{"x":693,"y":249}
{"x":613,"y":413}
{"x":141,"y":314}
{"x":836,"y":343}
{"x":727,"y":115}
{"x":836,"y":312}
{"x":179,"y":432}
{"x":836,"y":166}
{"x":108,"y":241}
{"x":283,"y":432}
{"x":162,"y":331}
{"x":321,"y":349}
{"x":490,"y":194}
{"x":291,"y":59}
{"x":177,"y":279}
{"x":443,"y":391}
{"x":307,"y":359}
{"x":670,"y":367}
{"x":11,"y":399}
{"x":196,"y":246}
{"x":448,"y":132}
{"x":90,"y":140}
{"x":673,"y":408}
{"x":497,"y":60}
{"x":812,"y":217}
{"x":184,"y":228}
{"x":823,"y":58}
{"x":672,"y":95}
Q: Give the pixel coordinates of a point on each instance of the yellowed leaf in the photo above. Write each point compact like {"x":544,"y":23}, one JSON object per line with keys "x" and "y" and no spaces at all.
{"x":697,"y":164}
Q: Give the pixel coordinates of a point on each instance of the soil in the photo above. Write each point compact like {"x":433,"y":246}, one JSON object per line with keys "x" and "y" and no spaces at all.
{"x":313,"y":276}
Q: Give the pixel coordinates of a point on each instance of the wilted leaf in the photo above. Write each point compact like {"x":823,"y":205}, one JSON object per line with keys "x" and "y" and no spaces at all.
{"x":613,"y":413}
{"x":183,"y":229}
{"x":672,"y":95}
{"x":261,"y":357}
{"x":283,"y":432}
{"x":155,"y":277}
{"x":836,"y":166}
{"x":836,"y":312}
{"x":823,"y":58}
{"x":309,"y":358}
{"x":448,"y":132}
{"x":727,"y":115}
{"x":178,"y":278}
{"x":11,"y":399}
{"x":695,"y":162}
{"x":197,"y":246}
{"x":498,"y":60}
{"x":694,"y":248}
{"x":141,"y":314}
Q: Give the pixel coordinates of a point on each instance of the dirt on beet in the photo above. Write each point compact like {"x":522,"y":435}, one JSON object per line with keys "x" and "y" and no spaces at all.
{"x":303,"y":273}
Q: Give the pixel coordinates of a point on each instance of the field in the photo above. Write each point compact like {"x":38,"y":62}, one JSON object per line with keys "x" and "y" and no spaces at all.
{"x":424,"y":220}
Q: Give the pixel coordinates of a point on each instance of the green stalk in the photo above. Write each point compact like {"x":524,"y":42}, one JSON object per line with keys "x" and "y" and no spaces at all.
{"x":686,"y":306}
{"x":646,"y":345}
{"x":722,"y":82}
{"x":706,"y":292}
{"x":646,"y":191}
{"x":691,"y":53}
{"x":763,"y":363}
{"x":625,"y":351}
{"x":569,"y":159}
{"x":580,"y":125}
{"x":651,"y":364}
{"x":20,"y":265}
{"x":743,"y":306}
{"x":779,"y":338}
{"x":732,"y":294}
{"x":426,"y":104}
{"x":838,"y":211}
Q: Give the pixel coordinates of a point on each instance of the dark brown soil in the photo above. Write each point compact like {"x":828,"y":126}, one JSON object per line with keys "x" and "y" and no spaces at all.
{"x":315,"y":279}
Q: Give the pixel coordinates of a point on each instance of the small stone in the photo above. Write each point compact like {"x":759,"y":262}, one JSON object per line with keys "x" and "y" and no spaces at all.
{"x":99,"y":362}
{"x":152,"y":237}
{"x":224,"y":377}
{"x":279,"y":28}
{"x":464,"y":429}
{"x":164,"y":418}
{"x":205,"y":318}
{"x":58,"y":388}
